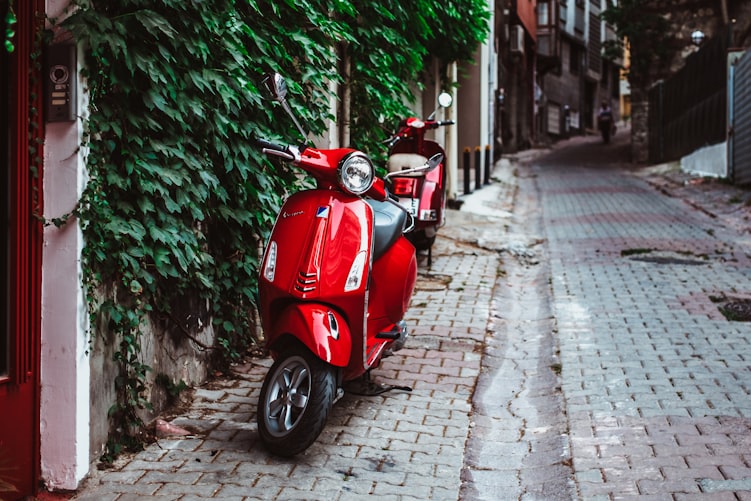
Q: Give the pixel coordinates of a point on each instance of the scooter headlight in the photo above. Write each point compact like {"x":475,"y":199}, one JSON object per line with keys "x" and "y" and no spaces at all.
{"x":356,"y":173}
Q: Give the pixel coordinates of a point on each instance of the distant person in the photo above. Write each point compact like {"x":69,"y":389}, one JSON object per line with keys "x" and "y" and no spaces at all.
{"x":605,"y":121}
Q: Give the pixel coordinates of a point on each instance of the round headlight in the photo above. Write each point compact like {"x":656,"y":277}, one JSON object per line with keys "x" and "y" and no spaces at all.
{"x":356,"y":173}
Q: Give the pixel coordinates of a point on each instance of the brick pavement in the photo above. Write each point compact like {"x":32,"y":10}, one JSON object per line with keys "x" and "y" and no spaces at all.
{"x":405,"y":446}
{"x":656,"y":383}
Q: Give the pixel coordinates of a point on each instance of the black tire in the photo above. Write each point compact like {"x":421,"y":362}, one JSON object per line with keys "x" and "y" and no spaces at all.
{"x":296,"y":398}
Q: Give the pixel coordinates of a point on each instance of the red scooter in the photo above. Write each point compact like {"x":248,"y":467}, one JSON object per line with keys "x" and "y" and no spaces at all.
{"x":336,"y":279}
{"x":422,"y":193}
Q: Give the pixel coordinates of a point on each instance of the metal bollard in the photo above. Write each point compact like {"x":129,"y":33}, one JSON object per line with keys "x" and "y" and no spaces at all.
{"x":478,"y":168}
{"x":465,"y":166}
{"x":487,"y":164}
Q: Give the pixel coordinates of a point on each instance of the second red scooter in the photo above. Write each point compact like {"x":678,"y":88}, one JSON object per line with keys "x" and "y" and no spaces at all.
{"x":422,"y":193}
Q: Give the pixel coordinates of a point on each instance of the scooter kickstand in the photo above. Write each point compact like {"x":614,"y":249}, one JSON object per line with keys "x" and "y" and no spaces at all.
{"x":366,"y":387}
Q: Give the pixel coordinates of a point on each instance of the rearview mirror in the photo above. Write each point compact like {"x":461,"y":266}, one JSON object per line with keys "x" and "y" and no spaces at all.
{"x":434,"y":161}
{"x":277,"y":86}
{"x":444,"y":101}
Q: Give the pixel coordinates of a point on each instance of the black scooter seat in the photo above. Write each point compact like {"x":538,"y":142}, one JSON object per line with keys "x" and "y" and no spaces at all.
{"x":388,"y":225}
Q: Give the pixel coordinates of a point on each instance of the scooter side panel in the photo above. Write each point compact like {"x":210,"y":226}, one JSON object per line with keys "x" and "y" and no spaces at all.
{"x":323,"y":330}
{"x":393,"y":278}
{"x":429,"y":210}
{"x":318,"y":236}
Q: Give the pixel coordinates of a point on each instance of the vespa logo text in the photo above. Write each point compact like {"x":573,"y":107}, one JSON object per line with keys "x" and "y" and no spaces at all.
{"x":291,"y":214}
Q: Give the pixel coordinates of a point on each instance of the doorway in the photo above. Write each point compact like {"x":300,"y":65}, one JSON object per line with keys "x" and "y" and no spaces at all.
{"x":20,"y":262}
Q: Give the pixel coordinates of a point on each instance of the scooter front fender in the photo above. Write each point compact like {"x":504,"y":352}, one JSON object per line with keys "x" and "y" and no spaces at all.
{"x":323,"y":330}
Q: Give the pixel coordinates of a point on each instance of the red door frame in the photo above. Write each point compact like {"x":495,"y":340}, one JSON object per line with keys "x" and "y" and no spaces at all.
{"x":19,"y":388}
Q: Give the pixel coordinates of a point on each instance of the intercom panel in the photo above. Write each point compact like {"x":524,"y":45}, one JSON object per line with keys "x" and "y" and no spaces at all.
{"x":60,"y":79}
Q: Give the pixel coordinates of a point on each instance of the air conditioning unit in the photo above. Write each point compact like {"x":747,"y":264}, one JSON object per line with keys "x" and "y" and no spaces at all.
{"x":517,"y":39}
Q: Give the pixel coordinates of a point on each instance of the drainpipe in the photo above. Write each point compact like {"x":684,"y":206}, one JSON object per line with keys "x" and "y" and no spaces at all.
{"x":452,"y":137}
{"x":345,"y":106}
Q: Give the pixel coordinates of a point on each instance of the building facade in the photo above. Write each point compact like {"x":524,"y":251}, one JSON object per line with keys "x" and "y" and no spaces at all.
{"x":574,"y":77}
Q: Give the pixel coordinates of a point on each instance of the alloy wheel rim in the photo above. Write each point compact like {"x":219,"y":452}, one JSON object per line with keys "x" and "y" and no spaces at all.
{"x":288,"y":396}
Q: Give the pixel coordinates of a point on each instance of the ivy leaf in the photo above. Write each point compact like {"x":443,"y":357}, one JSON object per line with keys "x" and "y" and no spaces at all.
{"x":154,"y":99}
{"x":154,"y":23}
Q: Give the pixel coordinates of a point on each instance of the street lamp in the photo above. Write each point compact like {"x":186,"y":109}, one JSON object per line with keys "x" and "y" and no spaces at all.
{"x":697,"y":37}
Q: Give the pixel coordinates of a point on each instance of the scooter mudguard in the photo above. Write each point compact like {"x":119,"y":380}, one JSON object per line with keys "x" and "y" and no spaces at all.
{"x":430,"y":204}
{"x":321,"y":329}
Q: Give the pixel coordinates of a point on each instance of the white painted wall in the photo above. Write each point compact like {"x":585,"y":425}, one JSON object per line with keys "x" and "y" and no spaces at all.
{"x":708,"y":161}
{"x":485,"y":111}
{"x":451,"y":140}
{"x":65,"y":373}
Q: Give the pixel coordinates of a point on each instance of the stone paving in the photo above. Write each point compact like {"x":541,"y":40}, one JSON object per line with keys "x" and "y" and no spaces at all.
{"x":400,"y":445}
{"x":518,"y":448}
{"x":567,"y":343}
{"x":655,"y":379}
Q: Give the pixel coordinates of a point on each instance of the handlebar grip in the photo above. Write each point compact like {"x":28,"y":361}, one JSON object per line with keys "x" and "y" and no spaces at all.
{"x":446,"y":122}
{"x":262,"y":143}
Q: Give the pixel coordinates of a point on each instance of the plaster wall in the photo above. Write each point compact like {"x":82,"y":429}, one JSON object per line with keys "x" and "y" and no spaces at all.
{"x":65,"y":375}
{"x":708,"y":161}
{"x":469,"y":104}
{"x":564,"y":88}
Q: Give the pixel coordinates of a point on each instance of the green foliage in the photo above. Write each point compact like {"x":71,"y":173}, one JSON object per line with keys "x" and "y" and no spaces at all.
{"x":9,"y":19}
{"x":644,"y":30}
{"x":394,"y":41}
{"x":178,"y":199}
{"x":458,"y":27}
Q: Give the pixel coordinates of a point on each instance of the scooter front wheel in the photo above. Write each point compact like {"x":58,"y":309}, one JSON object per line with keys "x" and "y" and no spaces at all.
{"x":296,"y":398}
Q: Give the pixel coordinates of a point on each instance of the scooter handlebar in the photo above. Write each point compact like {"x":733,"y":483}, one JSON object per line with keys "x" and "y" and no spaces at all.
{"x":268,"y":145}
{"x":391,"y":142}
{"x":439,"y":123}
{"x":275,"y":149}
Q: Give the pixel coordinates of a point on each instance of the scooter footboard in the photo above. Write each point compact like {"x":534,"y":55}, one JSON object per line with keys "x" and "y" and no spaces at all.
{"x":321,"y":329}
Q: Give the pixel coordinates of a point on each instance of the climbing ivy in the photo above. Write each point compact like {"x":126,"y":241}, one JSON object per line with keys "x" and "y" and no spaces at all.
{"x":394,"y":41}
{"x":9,"y":19}
{"x":178,"y":198}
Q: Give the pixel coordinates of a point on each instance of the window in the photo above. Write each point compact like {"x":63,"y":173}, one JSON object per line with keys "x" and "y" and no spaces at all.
{"x":543,"y":13}
{"x":574,"y":60}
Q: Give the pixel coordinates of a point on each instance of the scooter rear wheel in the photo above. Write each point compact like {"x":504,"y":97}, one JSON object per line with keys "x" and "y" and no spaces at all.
{"x":296,"y":398}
